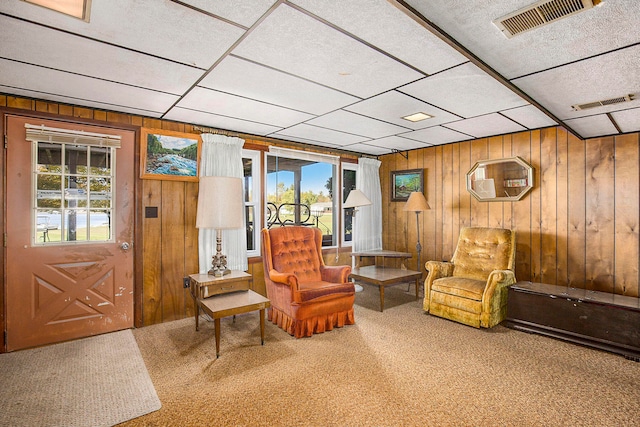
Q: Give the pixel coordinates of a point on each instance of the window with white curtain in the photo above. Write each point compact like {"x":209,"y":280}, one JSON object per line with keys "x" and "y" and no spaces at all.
{"x":302,"y":189}
{"x":348,"y":184}
{"x":252,"y":202}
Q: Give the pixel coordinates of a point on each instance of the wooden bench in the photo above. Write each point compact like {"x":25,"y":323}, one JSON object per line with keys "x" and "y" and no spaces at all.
{"x":601,"y":320}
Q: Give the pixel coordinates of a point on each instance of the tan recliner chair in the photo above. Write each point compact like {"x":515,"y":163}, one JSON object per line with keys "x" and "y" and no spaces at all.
{"x":472,"y":288}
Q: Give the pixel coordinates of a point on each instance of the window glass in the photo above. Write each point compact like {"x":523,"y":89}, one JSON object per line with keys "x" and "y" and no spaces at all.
{"x":251,"y":166}
{"x":73,"y":193}
{"x":348,"y":184}
{"x":300,"y":191}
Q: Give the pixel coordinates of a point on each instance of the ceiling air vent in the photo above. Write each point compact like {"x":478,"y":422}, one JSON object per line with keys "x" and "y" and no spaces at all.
{"x":626,"y":98}
{"x":539,"y":14}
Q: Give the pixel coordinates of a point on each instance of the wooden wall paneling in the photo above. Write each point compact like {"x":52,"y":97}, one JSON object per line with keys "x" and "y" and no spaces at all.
{"x":65,"y":110}
{"x":439,"y":202}
{"x":84,"y":113}
{"x":411,"y":231}
{"x":465,"y":196}
{"x":431,"y":181}
{"x":191,"y":262}
{"x":562,"y":207}
{"x":21,"y":103}
{"x":627,"y":204}
{"x":401,"y":223}
{"x":46,"y":107}
{"x":576,"y":207}
{"x":479,"y":210}
{"x":536,"y":194}
{"x":173,"y":244}
{"x":521,"y":221}
{"x":448,"y":183}
{"x":152,"y":254}
{"x":507,"y":207}
{"x":458,"y":191}
{"x":3,"y":100}
{"x":495,"y":214}
{"x":548,"y":208}
{"x":600,"y":214}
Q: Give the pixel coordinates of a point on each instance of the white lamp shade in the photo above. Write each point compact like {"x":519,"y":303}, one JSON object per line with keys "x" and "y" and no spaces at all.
{"x":416,"y":203}
{"x":356,"y":199}
{"x":220,"y":203}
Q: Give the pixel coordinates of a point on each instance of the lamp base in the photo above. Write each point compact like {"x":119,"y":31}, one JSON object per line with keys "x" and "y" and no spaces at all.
{"x":219,"y":272}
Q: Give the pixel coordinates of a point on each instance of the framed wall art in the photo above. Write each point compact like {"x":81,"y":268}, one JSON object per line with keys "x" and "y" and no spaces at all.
{"x":170,"y":155}
{"x":403,"y":183}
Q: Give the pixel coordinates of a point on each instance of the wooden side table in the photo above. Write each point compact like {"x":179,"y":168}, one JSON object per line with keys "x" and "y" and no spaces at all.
{"x":226,"y":296}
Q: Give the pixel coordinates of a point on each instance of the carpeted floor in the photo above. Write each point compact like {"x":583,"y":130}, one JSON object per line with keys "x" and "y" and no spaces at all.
{"x":97,"y":381}
{"x":397,"y":368}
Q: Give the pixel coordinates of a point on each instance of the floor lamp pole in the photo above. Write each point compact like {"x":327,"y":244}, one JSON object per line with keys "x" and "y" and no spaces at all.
{"x":418,"y":245}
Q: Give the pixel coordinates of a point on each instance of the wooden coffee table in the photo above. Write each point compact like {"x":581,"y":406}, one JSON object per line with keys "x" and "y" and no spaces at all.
{"x":384,"y":276}
{"x":230,"y":304}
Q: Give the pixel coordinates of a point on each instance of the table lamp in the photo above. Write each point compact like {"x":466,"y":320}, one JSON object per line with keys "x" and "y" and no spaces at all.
{"x":220,"y":207}
{"x":417,"y":203}
{"x":355,"y":199}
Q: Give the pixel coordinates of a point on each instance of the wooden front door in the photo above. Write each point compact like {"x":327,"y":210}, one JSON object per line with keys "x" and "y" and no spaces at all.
{"x":70,"y":226}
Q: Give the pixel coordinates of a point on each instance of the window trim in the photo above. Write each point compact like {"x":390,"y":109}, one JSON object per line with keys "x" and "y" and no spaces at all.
{"x":256,"y":176}
{"x":345,"y":166}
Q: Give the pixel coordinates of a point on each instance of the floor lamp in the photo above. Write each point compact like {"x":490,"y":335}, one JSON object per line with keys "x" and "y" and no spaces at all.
{"x":220,"y":207}
{"x":417,"y":203}
{"x":355,"y":199}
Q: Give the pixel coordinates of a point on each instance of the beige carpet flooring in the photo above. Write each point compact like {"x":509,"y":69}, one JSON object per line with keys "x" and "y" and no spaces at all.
{"x":97,"y":381}
{"x":396,"y":368}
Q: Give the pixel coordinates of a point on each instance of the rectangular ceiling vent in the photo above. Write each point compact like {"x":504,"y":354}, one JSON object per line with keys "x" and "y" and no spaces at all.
{"x":618,"y":100}
{"x":540,"y":13}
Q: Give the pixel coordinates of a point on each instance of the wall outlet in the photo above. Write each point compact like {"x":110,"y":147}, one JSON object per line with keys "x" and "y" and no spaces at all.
{"x":185,"y":282}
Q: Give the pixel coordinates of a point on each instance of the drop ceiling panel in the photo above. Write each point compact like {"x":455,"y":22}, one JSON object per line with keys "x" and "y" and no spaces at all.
{"x":224,"y":104}
{"x":82,"y":90}
{"x":170,"y":31}
{"x":367,"y":149}
{"x":293,"y":42}
{"x":599,"y":78}
{"x":393,"y":105}
{"x":243,"y":12}
{"x":628,"y":120}
{"x":356,"y":124}
{"x":464,"y":90}
{"x":609,"y":26}
{"x":491,"y":124}
{"x":220,"y":122}
{"x":385,"y":26}
{"x":397,"y":143}
{"x":437,"y":135}
{"x":530,"y":117}
{"x":239,"y":77}
{"x":592,"y":126}
{"x":314,"y":133}
{"x":42,"y":46}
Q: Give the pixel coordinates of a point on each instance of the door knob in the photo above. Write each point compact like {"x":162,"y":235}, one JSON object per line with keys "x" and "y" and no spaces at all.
{"x":125,"y":246}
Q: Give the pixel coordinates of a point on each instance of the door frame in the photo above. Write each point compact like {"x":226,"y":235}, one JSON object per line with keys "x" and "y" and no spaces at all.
{"x":137,"y":191}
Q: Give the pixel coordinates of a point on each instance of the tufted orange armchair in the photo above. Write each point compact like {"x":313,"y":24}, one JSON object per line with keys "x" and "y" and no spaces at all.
{"x":472,"y":288}
{"x":307,"y":297}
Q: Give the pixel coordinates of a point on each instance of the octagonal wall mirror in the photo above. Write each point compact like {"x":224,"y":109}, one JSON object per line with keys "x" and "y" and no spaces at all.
{"x":500,"y":180}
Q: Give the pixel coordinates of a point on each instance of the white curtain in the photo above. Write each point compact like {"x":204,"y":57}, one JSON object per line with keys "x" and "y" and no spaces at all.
{"x":222,"y":156}
{"x":368,"y":219}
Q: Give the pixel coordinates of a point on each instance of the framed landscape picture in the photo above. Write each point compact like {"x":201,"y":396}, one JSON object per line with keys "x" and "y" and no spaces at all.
{"x":166,"y":154}
{"x":403,"y":183}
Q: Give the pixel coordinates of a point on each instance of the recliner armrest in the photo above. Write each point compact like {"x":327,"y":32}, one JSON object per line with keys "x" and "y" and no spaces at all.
{"x":284,"y":278}
{"x":438,"y":269}
{"x":497,"y":281}
{"x":335,"y":273}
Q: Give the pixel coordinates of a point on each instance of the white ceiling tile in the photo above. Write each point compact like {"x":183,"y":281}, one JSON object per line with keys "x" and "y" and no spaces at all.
{"x":628,"y":120}
{"x":464,"y":90}
{"x":220,"y":122}
{"x":530,"y":117}
{"x":367,"y":149}
{"x":304,"y":141}
{"x":39,"y":45}
{"x":491,"y":124}
{"x":224,"y":104}
{"x":353,"y":123}
{"x":387,"y":27}
{"x":609,"y":26}
{"x":592,"y":126}
{"x":604,"y":77}
{"x":169,"y":30}
{"x":436,"y":135}
{"x":243,"y":78}
{"x":397,"y":143}
{"x":243,"y":12}
{"x":293,"y":42}
{"x":314,"y":133}
{"x":393,"y":105}
{"x":82,"y":90}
